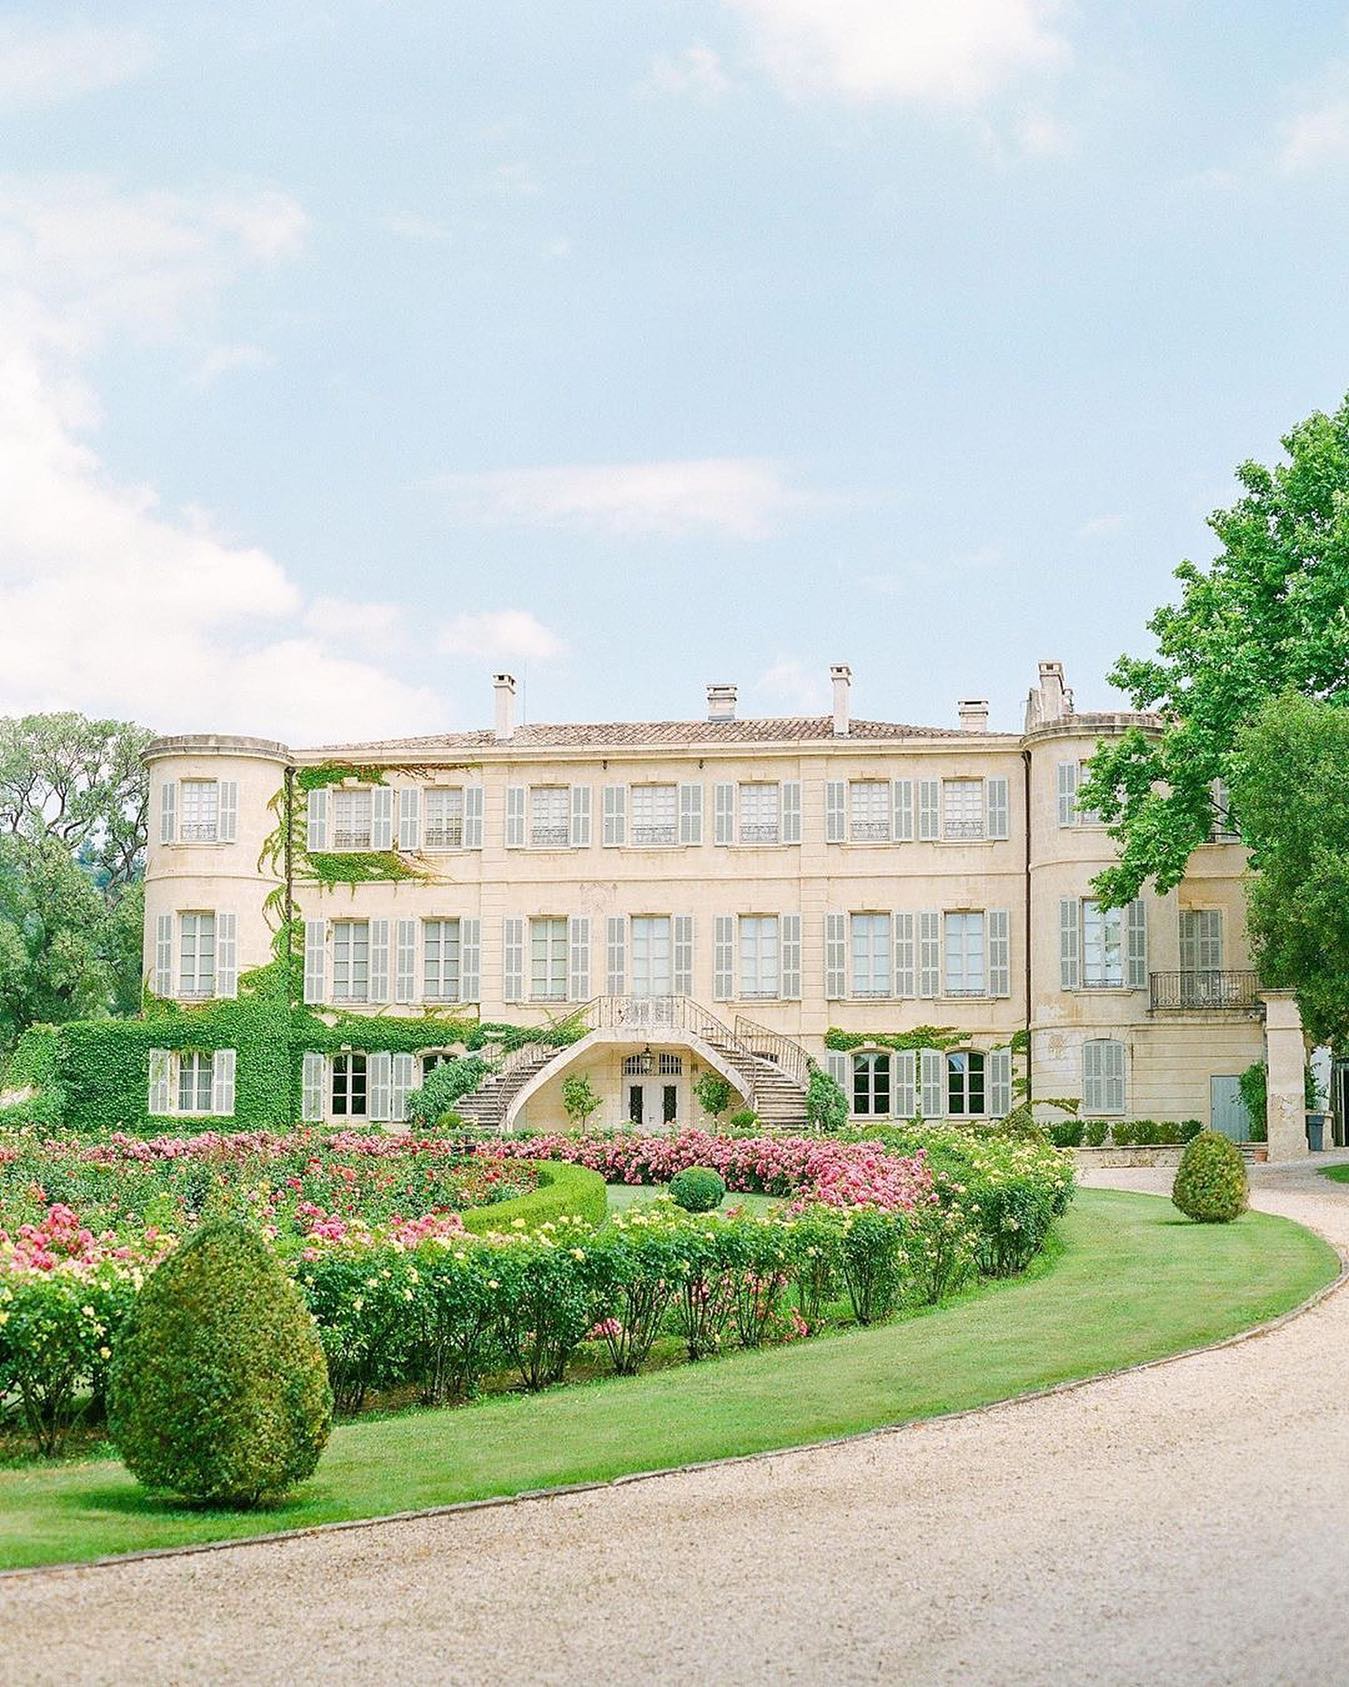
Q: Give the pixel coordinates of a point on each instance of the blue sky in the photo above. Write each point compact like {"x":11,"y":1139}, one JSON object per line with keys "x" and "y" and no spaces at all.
{"x":349,"y":350}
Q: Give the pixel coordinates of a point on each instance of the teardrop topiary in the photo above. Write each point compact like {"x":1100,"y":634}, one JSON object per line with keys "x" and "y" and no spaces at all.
{"x":219,"y":1386}
{"x":1211,"y":1184}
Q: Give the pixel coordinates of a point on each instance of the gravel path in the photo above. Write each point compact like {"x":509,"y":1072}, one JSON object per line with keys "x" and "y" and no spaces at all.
{"x":1187,"y":1522}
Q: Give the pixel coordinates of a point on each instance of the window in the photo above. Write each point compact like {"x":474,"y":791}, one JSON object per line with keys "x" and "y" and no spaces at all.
{"x":965,"y":972}
{"x":351,"y":960}
{"x":654,"y":822}
{"x":670,"y":1065}
{"x":1071,"y":776}
{"x":962,"y":808}
{"x":550,"y":816}
{"x":440,"y":960}
{"x":437,"y":1057}
{"x":201,"y":811}
{"x":1102,"y":947}
{"x":349,"y":1086}
{"x":352,"y":819}
{"x":1201,"y":939}
{"x":444,"y":825}
{"x":1103,"y":1076}
{"x":1225,"y":828}
{"x":196,"y":955}
{"x":871,"y":1086}
{"x":871,"y":955}
{"x":548,"y":960}
{"x":195,"y":1075}
{"x":760,"y":814}
{"x":965,"y":1084}
{"x":759,"y":960}
{"x":870,"y":801}
{"x":652,"y":971}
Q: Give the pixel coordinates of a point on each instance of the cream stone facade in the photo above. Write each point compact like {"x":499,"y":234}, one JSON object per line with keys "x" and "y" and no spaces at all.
{"x":724,"y":894}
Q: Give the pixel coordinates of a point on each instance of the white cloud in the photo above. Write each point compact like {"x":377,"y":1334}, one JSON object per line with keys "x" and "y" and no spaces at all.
{"x":109,"y":602}
{"x":1100,"y":527}
{"x":421,"y":231}
{"x":346,"y":621}
{"x":224,"y":360}
{"x":742,"y":497}
{"x":790,"y":686}
{"x":47,"y":66}
{"x":500,"y":635}
{"x":697,"y":71}
{"x":944,"y":51}
{"x":1316,"y":136}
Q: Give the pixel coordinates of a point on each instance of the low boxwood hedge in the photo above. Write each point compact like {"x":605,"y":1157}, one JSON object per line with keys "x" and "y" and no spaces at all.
{"x":564,"y":1191}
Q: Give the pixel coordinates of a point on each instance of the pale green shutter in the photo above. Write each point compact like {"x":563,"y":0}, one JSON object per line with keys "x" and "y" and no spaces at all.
{"x":1070,"y":943}
{"x":999,"y":1099}
{"x":227,"y":812}
{"x":905,"y":1104}
{"x":470,"y":960}
{"x":997,"y":808}
{"x":789,"y":940}
{"x":168,"y":811}
{"x":791,"y":812}
{"x":578,"y":958}
{"x":580,"y":817}
{"x":690,"y":814}
{"x":409,"y":818}
{"x":404,"y":1082}
{"x":226,"y":955}
{"x":682,"y":969}
{"x":999,"y":952}
{"x":1067,"y":793}
{"x":835,"y":821}
{"x":515,"y":817}
{"x":379,"y":961}
{"x":380,"y":1070}
{"x":405,"y":962}
{"x":724,"y":811}
{"x":315,"y":959}
{"x":723,"y":958}
{"x":313,"y":1084}
{"x":513,"y":960}
{"x":929,"y":954}
{"x":836,"y":956}
{"x":222,"y":1083}
{"x":473,"y":817}
{"x":163,"y":974}
{"x":316,"y":830}
{"x":929,"y":809}
{"x":616,"y":955}
{"x":158,"y":1100}
{"x":615,"y":816}
{"x":906,"y":970}
{"x":902,"y":800}
{"x":381,"y":817}
{"x":932,"y":1068}
{"x":1136,"y":935}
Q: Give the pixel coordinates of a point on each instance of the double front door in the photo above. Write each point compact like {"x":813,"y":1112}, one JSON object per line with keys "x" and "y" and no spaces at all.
{"x":652,"y":1102}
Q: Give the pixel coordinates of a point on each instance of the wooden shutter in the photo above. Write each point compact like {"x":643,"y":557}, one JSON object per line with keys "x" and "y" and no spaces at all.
{"x":222,"y":1083}
{"x":1136,"y":943}
{"x":690,"y":814}
{"x":409,"y":818}
{"x":835,"y":811}
{"x":905,"y":1092}
{"x":515,"y":817}
{"x":512,"y":960}
{"x":580,"y":817}
{"x":929,"y":954}
{"x":316,"y":832}
{"x":997,"y":814}
{"x":999,"y":1097}
{"x":315,"y":959}
{"x":791,"y":812}
{"x":724,"y":832}
{"x":168,"y":811}
{"x":405,"y":962}
{"x":789,"y":949}
{"x":313,"y":1082}
{"x":616,"y":955}
{"x":839,"y":1067}
{"x":1067,"y":793}
{"x":578,"y":958}
{"x":1070,"y":943}
{"x":723,"y":959}
{"x":470,"y":960}
{"x":1102,"y":1076}
{"x":929,"y":809}
{"x":906,"y":974}
{"x":379,"y":961}
{"x":615,"y":821}
{"x":682,"y":970}
{"x":999,"y":952}
{"x":381,"y":817}
{"x":163,"y":973}
{"x":158,"y":1100}
{"x":404,"y":1082}
{"x":226,"y":955}
{"x":472,"y":816}
{"x":227,"y":814}
{"x":379,"y":1068}
{"x":932,"y":1073}
{"x":1114,"y":1075}
{"x":902,"y":802}
{"x":836,"y":957}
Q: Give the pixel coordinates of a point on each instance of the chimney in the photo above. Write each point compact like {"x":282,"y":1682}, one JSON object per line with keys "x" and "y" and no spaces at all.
{"x":504,"y":686}
{"x":841,"y":674}
{"x":721,"y":702}
{"x":973,"y":712}
{"x":1055,"y":699}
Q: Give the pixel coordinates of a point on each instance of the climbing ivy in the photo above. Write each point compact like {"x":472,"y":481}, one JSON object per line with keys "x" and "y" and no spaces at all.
{"x":921,"y":1037}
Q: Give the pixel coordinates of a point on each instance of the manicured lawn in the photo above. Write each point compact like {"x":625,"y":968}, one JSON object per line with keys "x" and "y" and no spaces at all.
{"x":1128,"y":1280}
{"x":1336,"y":1174}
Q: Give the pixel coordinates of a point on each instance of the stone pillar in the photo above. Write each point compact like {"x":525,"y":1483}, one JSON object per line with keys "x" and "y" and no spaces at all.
{"x":1286,"y":1054}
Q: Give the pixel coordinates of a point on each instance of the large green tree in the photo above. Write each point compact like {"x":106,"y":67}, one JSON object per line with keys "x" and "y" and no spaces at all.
{"x":1269,"y":617}
{"x":73,"y":799}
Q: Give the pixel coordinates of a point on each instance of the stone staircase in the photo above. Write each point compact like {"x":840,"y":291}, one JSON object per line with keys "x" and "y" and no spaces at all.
{"x":486,"y":1107}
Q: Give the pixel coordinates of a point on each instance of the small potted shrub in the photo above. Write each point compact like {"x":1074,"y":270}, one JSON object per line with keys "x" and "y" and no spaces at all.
{"x":579,"y":1100}
{"x":1210,"y":1184}
{"x":713,"y":1094}
{"x":698,"y":1189}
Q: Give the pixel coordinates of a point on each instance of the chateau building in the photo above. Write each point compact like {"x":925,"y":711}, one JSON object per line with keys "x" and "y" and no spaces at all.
{"x":908,"y":907}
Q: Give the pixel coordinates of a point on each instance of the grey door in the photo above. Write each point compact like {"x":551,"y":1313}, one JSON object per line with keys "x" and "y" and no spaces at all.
{"x":1227,"y":1111}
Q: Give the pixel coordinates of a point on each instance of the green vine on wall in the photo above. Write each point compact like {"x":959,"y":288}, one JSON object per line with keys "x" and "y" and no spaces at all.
{"x":943,"y":1037}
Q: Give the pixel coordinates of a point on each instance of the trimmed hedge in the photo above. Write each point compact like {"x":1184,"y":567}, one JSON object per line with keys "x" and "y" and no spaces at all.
{"x":564,"y":1191}
{"x":1211,"y":1185}
{"x":1125,"y":1133}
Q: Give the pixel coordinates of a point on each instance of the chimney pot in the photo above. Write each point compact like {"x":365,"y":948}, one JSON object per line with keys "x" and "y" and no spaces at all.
{"x":841,"y":674}
{"x":721,"y":702}
{"x":504,"y":687}
{"x":973,"y":712}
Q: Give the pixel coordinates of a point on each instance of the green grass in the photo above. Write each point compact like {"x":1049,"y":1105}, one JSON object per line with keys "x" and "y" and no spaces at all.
{"x":1126,"y":1280}
{"x":1336,"y":1174}
{"x":633,"y":1194}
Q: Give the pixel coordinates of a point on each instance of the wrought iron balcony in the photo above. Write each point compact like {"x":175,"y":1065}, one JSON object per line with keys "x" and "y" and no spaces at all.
{"x":446,"y":835}
{"x":654,"y":835}
{"x":759,"y":832}
{"x":962,"y":830}
{"x":198,"y":831}
{"x":870,"y":831}
{"x":1205,"y":990}
{"x":346,"y":839}
{"x":550,"y":837}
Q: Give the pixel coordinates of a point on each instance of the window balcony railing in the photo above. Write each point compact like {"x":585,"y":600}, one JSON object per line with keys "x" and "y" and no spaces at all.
{"x":759,"y":832}
{"x":351,"y":840}
{"x":980,"y":991}
{"x":199,"y":831}
{"x":449,"y":836}
{"x":550,"y":837}
{"x":871,"y":995}
{"x":956,"y":830}
{"x":1204,"y":990}
{"x":870,"y":831}
{"x":758,"y":995}
{"x":654,"y":837}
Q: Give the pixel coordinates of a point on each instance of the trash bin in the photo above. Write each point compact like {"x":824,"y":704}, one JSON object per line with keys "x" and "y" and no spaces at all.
{"x":1316,"y":1132}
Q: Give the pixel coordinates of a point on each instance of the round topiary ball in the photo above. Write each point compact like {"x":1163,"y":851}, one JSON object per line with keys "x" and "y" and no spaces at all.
{"x":698,"y":1189}
{"x":1210,"y":1184}
{"x":219,"y":1385}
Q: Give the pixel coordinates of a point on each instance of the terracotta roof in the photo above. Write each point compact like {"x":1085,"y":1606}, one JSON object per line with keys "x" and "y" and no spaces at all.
{"x":600,"y":735}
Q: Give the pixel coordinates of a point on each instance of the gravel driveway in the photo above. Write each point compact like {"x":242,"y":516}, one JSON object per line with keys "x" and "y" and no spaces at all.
{"x":1188,"y":1522}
